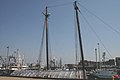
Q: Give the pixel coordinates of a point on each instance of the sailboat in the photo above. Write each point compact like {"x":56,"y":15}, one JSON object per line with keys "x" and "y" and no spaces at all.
{"x":56,"y":74}
{"x":62,"y":74}
{"x":101,"y":73}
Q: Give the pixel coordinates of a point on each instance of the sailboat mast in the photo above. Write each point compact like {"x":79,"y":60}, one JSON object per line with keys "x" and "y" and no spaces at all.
{"x":96,"y":58}
{"x":99,"y":55}
{"x":80,"y":39}
{"x":46,"y":18}
{"x":7,"y":66}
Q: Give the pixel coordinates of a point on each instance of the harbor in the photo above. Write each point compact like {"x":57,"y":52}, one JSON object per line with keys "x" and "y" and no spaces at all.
{"x":59,"y":63}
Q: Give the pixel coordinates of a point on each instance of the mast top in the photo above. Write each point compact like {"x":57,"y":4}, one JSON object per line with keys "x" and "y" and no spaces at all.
{"x":75,"y":5}
{"x":46,"y":14}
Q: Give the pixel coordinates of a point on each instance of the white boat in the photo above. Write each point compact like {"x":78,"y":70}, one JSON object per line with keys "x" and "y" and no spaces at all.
{"x":103,"y":74}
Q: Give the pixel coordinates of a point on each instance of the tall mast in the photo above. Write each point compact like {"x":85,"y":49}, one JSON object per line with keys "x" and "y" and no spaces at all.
{"x":99,"y":56}
{"x":96,"y":58}
{"x":80,"y":38}
{"x":46,"y":18}
{"x":7,"y":57}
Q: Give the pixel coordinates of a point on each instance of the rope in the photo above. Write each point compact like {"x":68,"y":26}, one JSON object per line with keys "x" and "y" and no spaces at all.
{"x":108,"y":25}
{"x":41,"y":46}
{"x":76,"y":46}
{"x":60,"y":5}
{"x":96,"y":34}
{"x":76,"y":41}
{"x":50,"y":50}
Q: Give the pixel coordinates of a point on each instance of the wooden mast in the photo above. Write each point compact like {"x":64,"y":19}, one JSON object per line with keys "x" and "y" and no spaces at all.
{"x":80,"y":38}
{"x":47,"y":56}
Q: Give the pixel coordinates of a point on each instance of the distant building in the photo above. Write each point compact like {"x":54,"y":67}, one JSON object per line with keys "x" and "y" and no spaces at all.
{"x":93,"y":65}
{"x":110,"y":62}
{"x":117,"y":61}
{"x":88,"y":63}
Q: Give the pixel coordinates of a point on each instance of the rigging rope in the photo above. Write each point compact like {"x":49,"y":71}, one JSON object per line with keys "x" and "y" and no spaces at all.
{"x":108,"y":25}
{"x":64,"y":4}
{"x":41,"y":46}
{"x":50,"y":50}
{"x":60,"y":5}
{"x":95,"y":34}
{"x":76,"y":41}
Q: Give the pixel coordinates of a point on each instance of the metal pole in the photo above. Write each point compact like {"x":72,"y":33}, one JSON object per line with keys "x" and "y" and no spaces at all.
{"x":96,"y":58}
{"x":80,"y":39}
{"x":17,"y":56}
{"x":99,"y":56}
{"x":7,"y":57}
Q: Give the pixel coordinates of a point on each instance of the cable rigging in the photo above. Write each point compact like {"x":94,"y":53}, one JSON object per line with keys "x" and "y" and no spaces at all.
{"x":108,"y":25}
{"x":76,"y":41}
{"x":50,"y":48}
{"x":95,"y":33}
{"x":60,"y":5}
{"x":64,"y":4}
{"x":41,"y":46}
{"x":42,"y":42}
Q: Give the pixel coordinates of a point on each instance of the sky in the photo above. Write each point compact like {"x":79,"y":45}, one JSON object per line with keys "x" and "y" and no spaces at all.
{"x":21,"y":23}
